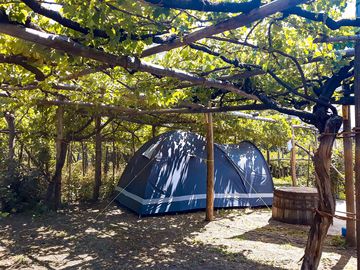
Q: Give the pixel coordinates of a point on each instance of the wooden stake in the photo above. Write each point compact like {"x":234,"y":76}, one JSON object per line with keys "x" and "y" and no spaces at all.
{"x":210,"y":169}
{"x":293,"y":158}
{"x":349,"y":182}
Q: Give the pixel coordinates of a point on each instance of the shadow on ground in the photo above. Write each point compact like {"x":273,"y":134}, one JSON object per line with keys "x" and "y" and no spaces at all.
{"x":296,"y":235}
{"x":118,"y":239}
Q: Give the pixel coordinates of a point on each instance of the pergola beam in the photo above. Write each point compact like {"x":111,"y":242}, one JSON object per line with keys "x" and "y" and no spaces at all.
{"x":252,"y":117}
{"x":134,"y":112}
{"x":67,"y":87}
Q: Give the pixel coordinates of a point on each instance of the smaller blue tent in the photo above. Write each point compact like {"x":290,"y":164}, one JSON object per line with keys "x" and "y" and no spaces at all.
{"x":168,"y":174}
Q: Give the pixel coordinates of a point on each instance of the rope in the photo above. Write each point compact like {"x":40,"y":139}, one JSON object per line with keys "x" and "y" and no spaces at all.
{"x":355,"y":130}
{"x":326,"y":214}
{"x":348,"y":213}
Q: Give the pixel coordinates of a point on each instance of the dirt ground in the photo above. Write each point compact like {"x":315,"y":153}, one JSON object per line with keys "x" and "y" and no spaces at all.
{"x":118,"y":239}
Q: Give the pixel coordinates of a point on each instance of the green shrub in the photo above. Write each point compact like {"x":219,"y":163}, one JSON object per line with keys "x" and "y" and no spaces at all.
{"x":20,"y":189}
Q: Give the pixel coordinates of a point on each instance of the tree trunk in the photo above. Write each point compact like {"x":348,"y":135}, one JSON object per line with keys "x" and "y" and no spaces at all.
{"x":10,"y":120}
{"x":322,"y":162}
{"x":98,"y":154}
{"x":53,"y":196}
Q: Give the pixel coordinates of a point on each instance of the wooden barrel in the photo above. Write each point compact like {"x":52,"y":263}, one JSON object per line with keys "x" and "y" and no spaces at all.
{"x":295,"y":204}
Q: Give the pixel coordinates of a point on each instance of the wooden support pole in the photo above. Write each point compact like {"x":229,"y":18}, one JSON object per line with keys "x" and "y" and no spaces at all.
{"x":349,"y":182}
{"x":357,"y":135}
{"x":98,"y":158}
{"x":210,"y":168}
{"x":293,"y":158}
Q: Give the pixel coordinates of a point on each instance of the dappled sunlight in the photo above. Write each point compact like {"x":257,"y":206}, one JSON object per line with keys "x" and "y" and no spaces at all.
{"x":168,"y":174}
{"x":269,"y":242}
{"x":237,"y":239}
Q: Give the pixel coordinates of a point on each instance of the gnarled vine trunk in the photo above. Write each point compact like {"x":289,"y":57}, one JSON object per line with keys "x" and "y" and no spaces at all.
{"x":53,"y":195}
{"x":322,"y":222}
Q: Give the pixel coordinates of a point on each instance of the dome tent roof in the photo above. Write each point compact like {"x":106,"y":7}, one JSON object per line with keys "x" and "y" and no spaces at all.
{"x":168,"y":174}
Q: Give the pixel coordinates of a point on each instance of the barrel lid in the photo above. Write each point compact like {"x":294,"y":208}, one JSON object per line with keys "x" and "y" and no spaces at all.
{"x":305,"y":190}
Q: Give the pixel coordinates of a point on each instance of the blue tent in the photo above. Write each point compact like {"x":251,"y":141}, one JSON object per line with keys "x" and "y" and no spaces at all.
{"x":168,"y":174}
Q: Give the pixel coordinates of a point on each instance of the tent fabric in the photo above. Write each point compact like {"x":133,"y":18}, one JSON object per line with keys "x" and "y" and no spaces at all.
{"x":168,"y":174}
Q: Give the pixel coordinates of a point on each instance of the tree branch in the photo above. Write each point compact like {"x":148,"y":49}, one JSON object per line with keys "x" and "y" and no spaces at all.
{"x":56,"y":16}
{"x":69,"y":46}
{"x":208,"y":6}
{"x":321,"y":17}
{"x":22,"y":61}
{"x":232,"y":23}
{"x":233,"y":62}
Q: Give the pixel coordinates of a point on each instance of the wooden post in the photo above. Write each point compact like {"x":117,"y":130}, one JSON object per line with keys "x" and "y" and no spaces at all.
{"x":268,"y":157}
{"x":349,"y":182}
{"x":357,"y":135}
{"x":280,"y":174}
{"x":210,"y":169}
{"x":98,"y":158}
{"x":293,"y":158}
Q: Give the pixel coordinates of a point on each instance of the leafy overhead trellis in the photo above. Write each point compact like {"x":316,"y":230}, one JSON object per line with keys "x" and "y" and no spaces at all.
{"x":152,"y":61}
